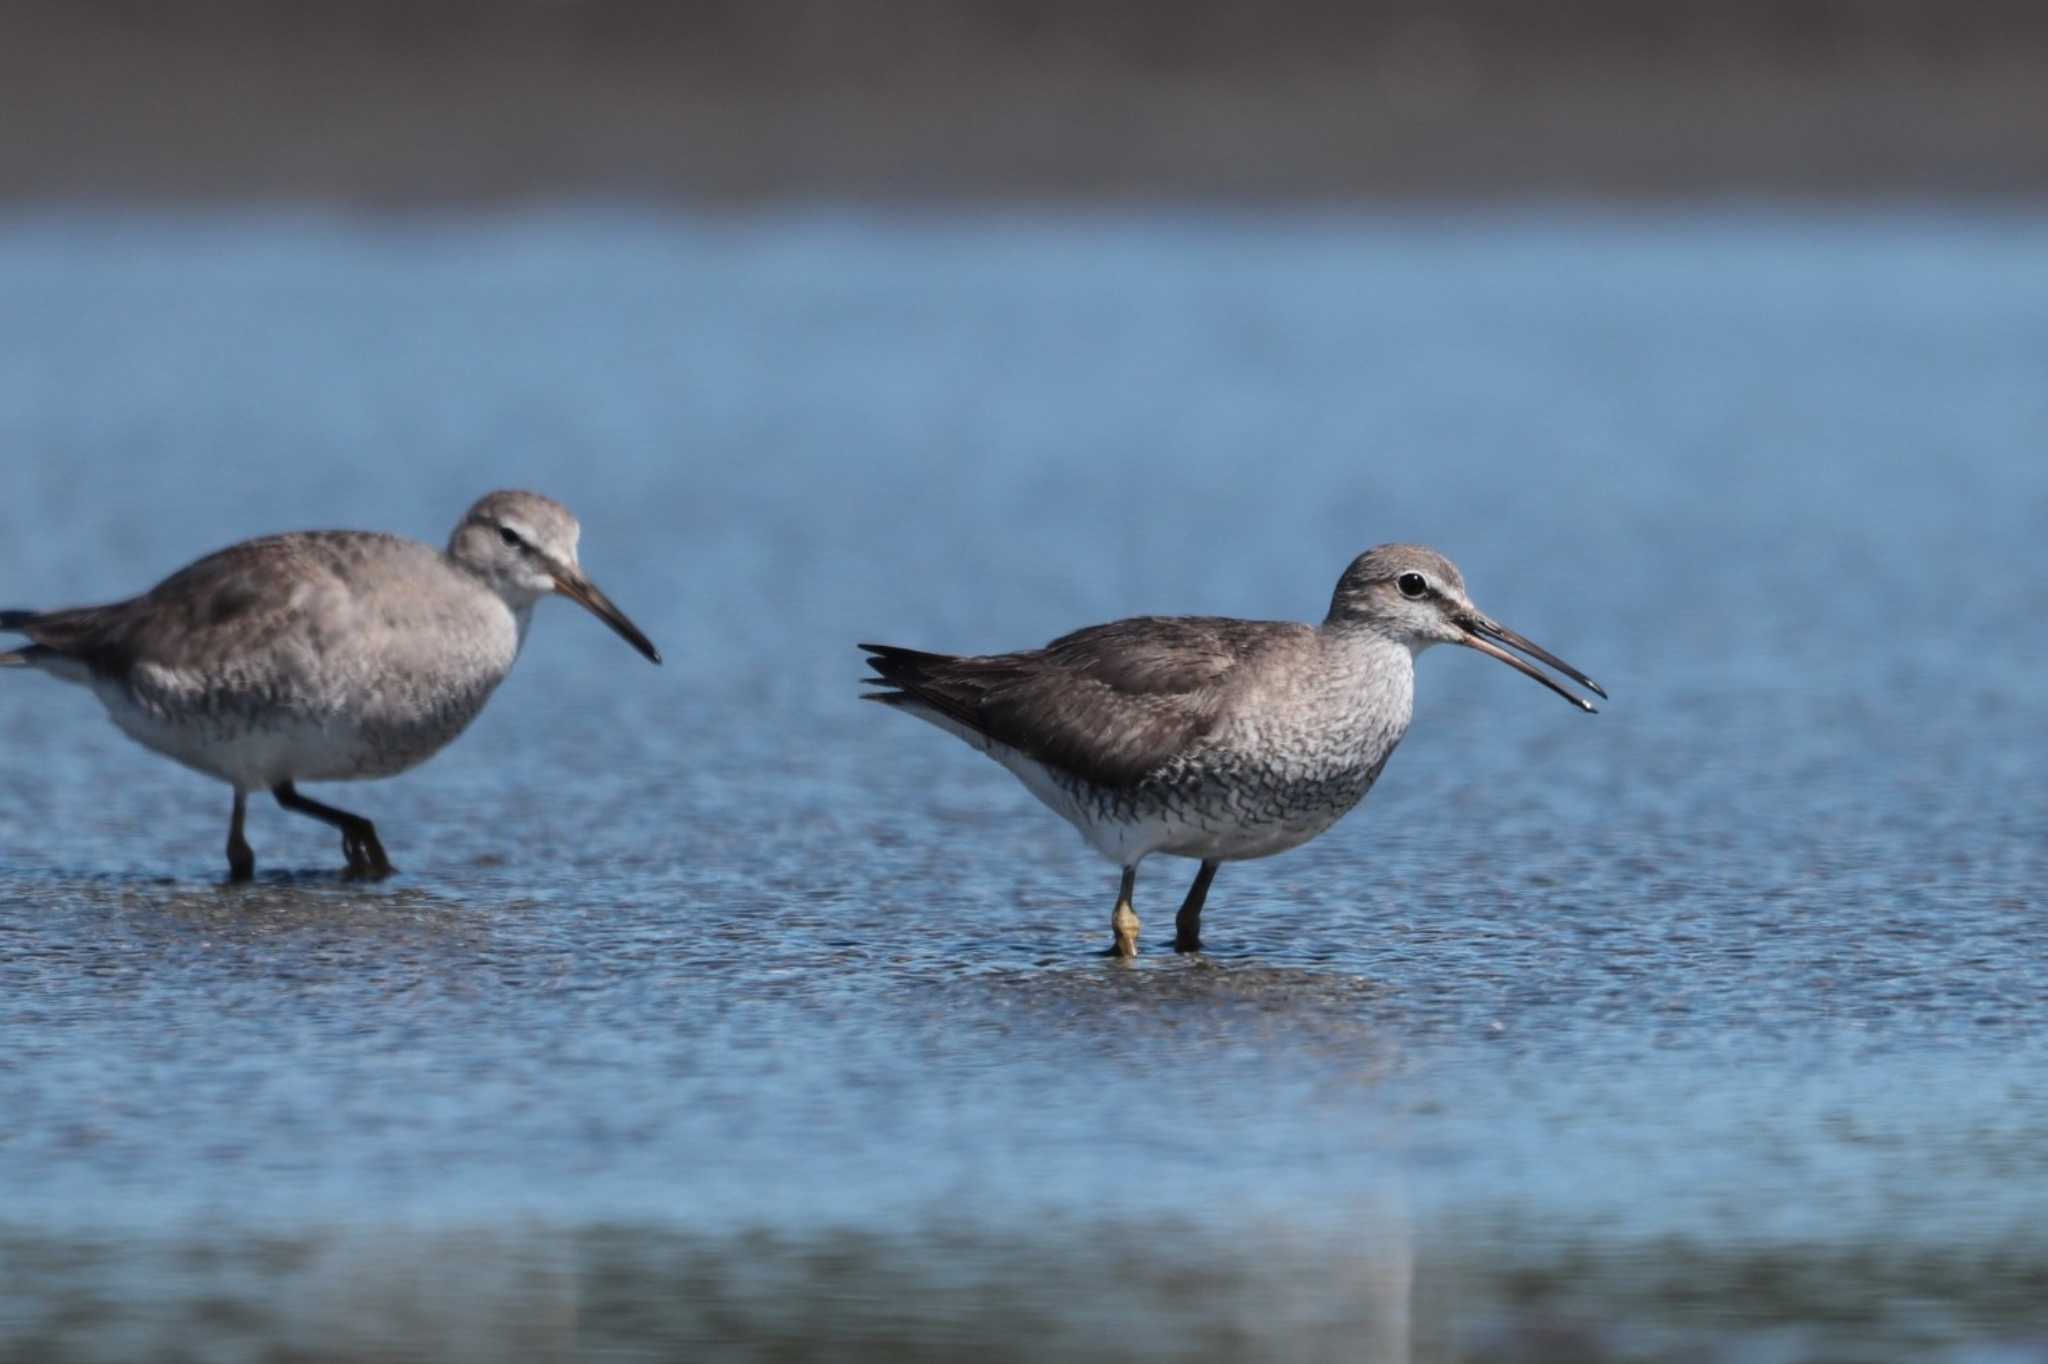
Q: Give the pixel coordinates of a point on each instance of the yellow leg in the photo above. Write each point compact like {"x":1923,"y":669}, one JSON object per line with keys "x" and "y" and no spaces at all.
{"x":1123,"y":920}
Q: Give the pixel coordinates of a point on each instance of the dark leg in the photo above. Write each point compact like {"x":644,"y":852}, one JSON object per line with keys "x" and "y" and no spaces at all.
{"x":1187,"y":925}
{"x":241,"y":862}
{"x":358,"y":836}
{"x":1123,"y":920}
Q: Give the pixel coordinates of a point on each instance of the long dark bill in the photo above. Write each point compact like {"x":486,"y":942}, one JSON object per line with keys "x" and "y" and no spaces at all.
{"x":1479,"y":630}
{"x":580,"y":589}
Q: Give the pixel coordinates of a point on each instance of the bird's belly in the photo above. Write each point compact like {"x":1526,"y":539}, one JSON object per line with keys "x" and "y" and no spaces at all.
{"x":1228,"y":836}
{"x":1210,"y":834}
{"x":1250,"y":819}
{"x":304,"y":738}
{"x":1248,"y":814}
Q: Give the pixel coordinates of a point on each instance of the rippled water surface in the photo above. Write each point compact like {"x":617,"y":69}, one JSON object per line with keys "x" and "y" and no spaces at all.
{"x":717,"y":1015}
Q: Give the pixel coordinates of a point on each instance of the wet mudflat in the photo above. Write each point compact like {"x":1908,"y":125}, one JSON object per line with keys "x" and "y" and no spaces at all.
{"x":718,"y":1016}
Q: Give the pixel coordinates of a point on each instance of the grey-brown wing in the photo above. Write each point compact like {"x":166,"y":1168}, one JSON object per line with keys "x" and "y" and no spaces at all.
{"x":240,"y":601}
{"x":1111,"y":703}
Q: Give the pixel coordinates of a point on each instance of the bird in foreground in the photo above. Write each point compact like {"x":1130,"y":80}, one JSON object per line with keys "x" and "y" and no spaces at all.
{"x":321,"y":655}
{"x":1208,"y":737}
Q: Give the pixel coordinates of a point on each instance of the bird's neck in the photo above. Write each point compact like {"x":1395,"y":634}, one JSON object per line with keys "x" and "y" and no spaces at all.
{"x":1374,"y":667}
{"x":1365,"y":637}
{"x":517,"y":599}
{"x":522,"y":620}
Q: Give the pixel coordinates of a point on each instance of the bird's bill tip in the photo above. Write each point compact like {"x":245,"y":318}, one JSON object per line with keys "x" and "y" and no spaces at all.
{"x":585,"y":593}
{"x":1480,"y":634}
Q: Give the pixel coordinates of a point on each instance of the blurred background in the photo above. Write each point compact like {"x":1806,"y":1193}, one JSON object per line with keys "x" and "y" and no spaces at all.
{"x":718,"y":1016}
{"x":455,"y":101}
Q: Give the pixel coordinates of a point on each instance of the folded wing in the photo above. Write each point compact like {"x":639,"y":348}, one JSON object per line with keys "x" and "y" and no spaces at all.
{"x":1110,"y":704}
{"x":248,"y":595}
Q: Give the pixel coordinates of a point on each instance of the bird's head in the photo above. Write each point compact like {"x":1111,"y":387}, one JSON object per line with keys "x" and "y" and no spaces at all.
{"x":1415,"y":596}
{"x":524,"y":546}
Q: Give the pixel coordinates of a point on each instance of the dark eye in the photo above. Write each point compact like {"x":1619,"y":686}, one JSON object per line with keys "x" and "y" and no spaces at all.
{"x":510,"y":536}
{"x":1412,"y":585}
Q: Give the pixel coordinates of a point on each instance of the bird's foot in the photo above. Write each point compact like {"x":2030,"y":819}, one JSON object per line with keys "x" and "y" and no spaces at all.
{"x":366,"y":859}
{"x":241,"y":858}
{"x":1187,"y":944}
{"x":1123,"y":928}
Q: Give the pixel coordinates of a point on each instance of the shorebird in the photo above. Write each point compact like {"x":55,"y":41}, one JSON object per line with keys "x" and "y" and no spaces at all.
{"x":321,"y":655}
{"x":1207,"y":737}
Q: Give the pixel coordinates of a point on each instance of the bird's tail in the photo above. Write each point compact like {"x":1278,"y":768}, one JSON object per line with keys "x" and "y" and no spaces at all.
{"x":899,"y":671}
{"x":15,"y":620}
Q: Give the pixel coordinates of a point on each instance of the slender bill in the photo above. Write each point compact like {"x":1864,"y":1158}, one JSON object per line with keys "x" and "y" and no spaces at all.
{"x":1479,"y":630}
{"x":578,"y":588}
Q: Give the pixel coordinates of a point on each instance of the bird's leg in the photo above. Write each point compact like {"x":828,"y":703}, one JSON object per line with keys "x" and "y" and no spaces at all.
{"x":1123,"y":920}
{"x":1187,"y":925}
{"x":241,"y":861}
{"x":358,"y":836}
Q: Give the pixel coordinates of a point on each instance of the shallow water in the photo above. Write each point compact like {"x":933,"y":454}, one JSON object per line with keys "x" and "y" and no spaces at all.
{"x":719,"y":1016}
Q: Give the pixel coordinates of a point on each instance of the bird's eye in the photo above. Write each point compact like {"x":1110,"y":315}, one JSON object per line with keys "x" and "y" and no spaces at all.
{"x":510,"y":536}
{"x":1412,"y":585}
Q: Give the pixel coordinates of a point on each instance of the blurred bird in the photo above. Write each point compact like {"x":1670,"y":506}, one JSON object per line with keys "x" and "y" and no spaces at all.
{"x":321,"y":655}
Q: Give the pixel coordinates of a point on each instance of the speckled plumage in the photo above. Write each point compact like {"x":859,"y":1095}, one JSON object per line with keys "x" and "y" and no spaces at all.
{"x":1161,"y":733}
{"x":1203,"y":736}
{"x":320,"y":655}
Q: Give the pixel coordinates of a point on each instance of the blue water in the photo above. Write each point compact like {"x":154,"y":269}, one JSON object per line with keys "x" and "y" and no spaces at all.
{"x":1718,"y":1017}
